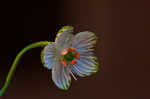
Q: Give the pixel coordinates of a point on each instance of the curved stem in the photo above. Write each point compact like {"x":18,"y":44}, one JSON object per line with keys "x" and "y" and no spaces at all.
{"x":14,"y":65}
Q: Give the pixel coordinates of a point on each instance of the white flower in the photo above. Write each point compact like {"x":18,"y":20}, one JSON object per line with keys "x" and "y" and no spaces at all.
{"x":70,"y":54}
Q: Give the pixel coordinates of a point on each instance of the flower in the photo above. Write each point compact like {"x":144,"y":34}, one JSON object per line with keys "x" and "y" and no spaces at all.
{"x":70,"y":55}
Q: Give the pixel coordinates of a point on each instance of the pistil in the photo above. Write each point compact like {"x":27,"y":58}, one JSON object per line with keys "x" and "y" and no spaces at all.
{"x":69,"y":56}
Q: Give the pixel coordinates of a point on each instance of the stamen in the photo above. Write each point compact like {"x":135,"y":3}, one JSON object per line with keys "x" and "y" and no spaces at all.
{"x":64,"y":52}
{"x":77,"y":55}
{"x":73,"y":62}
{"x":73,"y":75}
{"x":64,"y":63}
{"x":71,"y":49}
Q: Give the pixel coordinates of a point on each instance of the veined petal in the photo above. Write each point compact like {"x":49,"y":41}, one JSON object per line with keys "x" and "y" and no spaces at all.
{"x":85,"y":66}
{"x":84,"y":41}
{"x":61,"y":76}
{"x":64,"y":37}
{"x":49,"y":55}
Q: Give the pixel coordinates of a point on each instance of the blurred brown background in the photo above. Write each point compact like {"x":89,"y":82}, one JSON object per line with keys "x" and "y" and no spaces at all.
{"x":123,"y":47}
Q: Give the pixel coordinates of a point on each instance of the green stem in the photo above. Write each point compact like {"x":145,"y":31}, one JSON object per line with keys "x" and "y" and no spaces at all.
{"x":14,"y":65}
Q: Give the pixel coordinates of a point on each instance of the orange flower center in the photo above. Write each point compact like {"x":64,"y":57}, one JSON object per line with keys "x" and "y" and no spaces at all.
{"x":69,"y":55}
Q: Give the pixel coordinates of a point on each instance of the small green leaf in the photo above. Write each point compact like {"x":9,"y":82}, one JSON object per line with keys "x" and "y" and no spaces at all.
{"x":42,"y":56}
{"x":64,"y":28}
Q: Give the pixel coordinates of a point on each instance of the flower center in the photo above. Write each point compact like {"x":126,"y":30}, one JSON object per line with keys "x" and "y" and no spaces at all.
{"x":69,"y":56}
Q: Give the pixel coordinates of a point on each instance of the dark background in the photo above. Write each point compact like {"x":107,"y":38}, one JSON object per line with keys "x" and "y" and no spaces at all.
{"x":123,"y":28}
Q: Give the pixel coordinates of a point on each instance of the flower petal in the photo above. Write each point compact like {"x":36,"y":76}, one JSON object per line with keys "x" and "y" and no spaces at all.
{"x":64,"y":37}
{"x":85,"y":66}
{"x":61,"y":76}
{"x":84,"y":42}
{"x":49,"y":55}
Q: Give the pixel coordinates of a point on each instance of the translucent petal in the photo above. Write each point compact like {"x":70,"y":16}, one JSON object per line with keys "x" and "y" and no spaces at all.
{"x":84,"y":42}
{"x":60,"y":76}
{"x":49,"y":55}
{"x":64,"y":37}
{"x":85,"y":66}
